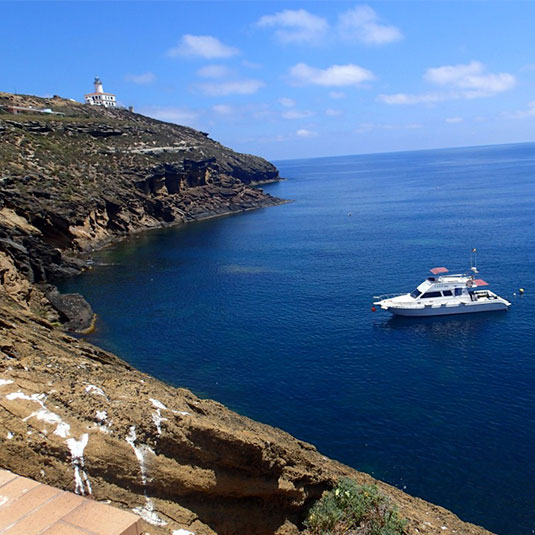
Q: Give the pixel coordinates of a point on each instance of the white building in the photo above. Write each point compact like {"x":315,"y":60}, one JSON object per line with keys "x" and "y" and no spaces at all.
{"x":99,"y":98}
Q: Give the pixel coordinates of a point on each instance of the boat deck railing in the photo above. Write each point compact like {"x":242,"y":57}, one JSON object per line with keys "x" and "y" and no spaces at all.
{"x":387,"y":296}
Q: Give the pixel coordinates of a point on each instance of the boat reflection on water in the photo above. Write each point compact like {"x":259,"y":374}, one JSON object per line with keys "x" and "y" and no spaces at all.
{"x":445,"y":326}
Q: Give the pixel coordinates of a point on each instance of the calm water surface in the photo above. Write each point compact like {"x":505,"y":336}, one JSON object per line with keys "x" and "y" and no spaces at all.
{"x":269,"y":313}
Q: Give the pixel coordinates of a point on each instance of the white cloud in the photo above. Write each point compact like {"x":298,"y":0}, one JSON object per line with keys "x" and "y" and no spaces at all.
{"x":141,"y":79}
{"x":368,"y":127}
{"x":236,"y":87}
{"x":223,"y":109}
{"x":472,"y":78}
{"x":362,"y":24}
{"x":182,"y":116}
{"x":267,"y":139}
{"x":204,"y":46}
{"x":243,"y":112}
{"x":407,"y":98}
{"x":296,"y":114}
{"x":523,"y":114}
{"x":261,"y":113}
{"x":454,"y":120}
{"x":334,"y":76}
{"x":365,"y":127}
{"x":531,"y":108}
{"x":295,"y":26}
{"x":459,"y":82}
{"x":303,"y":132}
{"x":330,"y":112}
{"x":287,"y":102}
{"x":251,"y":64}
{"x":337,"y":95}
{"x":214,"y":71}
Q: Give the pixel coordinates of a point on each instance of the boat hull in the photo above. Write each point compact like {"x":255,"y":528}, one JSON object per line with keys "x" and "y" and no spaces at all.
{"x":450,"y":310}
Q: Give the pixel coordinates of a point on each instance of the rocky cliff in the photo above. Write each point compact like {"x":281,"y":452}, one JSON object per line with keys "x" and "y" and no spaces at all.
{"x":77,"y":178}
{"x":77,"y":417}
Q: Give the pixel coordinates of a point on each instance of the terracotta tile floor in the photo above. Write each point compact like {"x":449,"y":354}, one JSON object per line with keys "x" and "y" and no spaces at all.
{"x":30,"y":508}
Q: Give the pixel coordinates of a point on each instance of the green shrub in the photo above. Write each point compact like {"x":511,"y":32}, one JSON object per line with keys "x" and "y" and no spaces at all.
{"x":353,"y":509}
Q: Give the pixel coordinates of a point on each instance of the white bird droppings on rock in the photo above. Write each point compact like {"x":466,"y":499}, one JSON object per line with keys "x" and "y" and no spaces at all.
{"x":63,"y":429}
{"x":92,"y":389}
{"x":21,"y":395}
{"x":43,"y":414}
{"x":157,"y":404}
{"x":81,"y":480}
{"x":139,"y":451}
{"x":157,"y":418}
{"x":183,"y":532}
{"x":146,"y":512}
{"x":4,"y":382}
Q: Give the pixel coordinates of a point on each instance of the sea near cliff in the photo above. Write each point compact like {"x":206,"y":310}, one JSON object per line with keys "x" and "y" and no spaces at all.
{"x":269,"y":312}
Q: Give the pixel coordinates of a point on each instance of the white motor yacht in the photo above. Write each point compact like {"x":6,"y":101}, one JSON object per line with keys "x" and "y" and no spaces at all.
{"x":444,"y":294}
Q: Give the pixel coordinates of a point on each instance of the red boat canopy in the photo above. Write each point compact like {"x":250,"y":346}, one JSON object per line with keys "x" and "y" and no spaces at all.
{"x":480,"y":282}
{"x":437,"y":270}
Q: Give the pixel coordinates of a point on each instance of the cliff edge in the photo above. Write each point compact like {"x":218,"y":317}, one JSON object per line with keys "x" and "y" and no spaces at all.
{"x":79,"y":418}
{"x":75,"y":177}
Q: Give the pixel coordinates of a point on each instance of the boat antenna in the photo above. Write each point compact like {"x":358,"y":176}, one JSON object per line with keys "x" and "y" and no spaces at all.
{"x":473,"y":260}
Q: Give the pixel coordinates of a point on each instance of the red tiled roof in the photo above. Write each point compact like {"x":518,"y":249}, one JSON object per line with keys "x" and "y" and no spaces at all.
{"x":30,"y":508}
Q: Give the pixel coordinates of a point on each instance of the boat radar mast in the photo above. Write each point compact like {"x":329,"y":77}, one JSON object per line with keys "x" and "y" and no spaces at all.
{"x":473,"y":261}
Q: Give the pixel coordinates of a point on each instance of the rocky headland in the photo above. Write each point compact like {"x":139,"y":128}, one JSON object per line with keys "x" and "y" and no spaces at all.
{"x":79,"y":418}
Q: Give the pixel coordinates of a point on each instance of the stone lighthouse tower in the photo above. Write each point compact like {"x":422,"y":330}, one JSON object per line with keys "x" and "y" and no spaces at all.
{"x":99,"y":98}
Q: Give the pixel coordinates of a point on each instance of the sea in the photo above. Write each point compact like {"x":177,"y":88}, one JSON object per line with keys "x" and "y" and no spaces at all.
{"x":270,"y":313}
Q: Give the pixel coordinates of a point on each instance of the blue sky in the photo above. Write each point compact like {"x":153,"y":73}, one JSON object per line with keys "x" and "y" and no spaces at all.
{"x":291,"y":79}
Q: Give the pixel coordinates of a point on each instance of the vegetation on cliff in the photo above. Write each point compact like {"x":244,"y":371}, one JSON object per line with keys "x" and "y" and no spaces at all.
{"x":351,"y":508}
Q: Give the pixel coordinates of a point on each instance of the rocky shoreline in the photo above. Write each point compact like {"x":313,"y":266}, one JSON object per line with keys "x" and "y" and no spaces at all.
{"x":77,"y":182}
{"x":78,"y":417}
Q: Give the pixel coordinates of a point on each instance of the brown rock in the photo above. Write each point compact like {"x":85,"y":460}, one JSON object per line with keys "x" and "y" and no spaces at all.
{"x":160,"y":450}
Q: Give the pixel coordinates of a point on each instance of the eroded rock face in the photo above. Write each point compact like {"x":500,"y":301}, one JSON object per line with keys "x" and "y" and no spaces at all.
{"x":77,"y":417}
{"x":72,"y":185}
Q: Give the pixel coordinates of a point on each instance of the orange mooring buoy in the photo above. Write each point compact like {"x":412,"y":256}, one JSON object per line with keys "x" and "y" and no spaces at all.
{"x":373,"y":309}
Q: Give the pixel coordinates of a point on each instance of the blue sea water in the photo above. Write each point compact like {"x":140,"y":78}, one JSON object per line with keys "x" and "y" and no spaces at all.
{"x":269,"y":312}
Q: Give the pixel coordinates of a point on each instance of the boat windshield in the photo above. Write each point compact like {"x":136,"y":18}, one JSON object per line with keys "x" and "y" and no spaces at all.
{"x":415,"y":293}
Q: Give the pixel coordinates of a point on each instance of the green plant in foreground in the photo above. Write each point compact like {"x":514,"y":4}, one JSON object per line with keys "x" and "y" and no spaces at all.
{"x":353,"y":509}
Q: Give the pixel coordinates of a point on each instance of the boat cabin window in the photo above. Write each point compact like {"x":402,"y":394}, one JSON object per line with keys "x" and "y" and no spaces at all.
{"x":458,"y":291}
{"x":415,"y":293}
{"x":447,"y":293}
{"x":429,"y":295}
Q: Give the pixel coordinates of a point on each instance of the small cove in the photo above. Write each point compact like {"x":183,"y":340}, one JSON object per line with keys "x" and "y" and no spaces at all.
{"x":269,"y":313}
